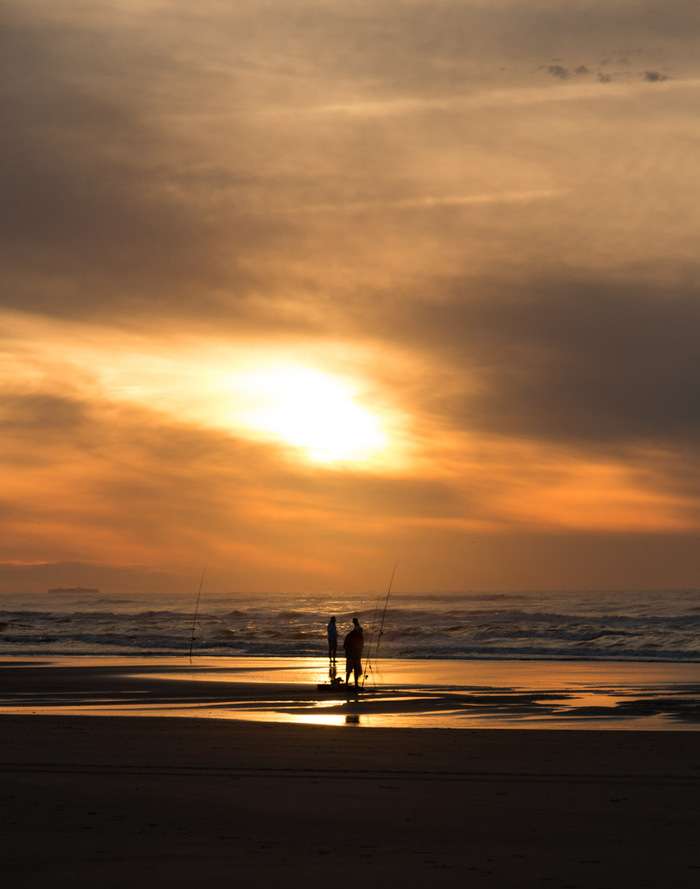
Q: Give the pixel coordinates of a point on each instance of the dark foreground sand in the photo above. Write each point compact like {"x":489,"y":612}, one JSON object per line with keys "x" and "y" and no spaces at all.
{"x":95,"y":801}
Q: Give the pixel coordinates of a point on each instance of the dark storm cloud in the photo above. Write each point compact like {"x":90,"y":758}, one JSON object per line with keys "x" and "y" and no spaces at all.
{"x":567,"y":359}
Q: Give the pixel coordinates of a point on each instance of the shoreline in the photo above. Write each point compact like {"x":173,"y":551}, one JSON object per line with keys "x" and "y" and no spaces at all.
{"x":405,"y":694}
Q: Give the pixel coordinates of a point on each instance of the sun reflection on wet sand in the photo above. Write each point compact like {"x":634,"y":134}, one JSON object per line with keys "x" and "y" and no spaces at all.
{"x":402,"y":693}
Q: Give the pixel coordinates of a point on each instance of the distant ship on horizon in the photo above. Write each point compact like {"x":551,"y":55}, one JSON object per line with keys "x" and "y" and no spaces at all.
{"x":73,"y":589}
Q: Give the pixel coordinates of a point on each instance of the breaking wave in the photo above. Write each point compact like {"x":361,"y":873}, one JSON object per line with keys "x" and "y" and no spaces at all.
{"x":614,"y":625}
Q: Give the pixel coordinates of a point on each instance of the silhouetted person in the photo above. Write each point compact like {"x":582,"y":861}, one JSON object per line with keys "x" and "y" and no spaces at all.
{"x":332,"y":639}
{"x":353,"y":644}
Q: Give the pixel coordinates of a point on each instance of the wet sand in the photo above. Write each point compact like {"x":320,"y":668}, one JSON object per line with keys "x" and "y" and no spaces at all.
{"x":432,"y":694}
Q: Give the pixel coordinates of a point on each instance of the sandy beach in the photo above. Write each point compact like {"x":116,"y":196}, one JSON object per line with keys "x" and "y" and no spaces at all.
{"x":144,"y":800}
{"x":109,"y":801}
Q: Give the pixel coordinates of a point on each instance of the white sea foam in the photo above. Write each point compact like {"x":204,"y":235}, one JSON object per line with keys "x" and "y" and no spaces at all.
{"x":612,"y":625}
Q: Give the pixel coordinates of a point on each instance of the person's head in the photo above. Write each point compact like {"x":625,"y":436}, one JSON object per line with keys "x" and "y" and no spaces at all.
{"x":356,"y":621}
{"x":332,"y":620}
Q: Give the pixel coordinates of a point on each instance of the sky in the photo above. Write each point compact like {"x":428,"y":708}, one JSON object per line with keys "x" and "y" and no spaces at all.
{"x":291,"y":291}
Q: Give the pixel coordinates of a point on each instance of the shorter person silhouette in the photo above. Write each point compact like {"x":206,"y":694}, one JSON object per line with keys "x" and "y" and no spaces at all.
{"x":332,"y":639}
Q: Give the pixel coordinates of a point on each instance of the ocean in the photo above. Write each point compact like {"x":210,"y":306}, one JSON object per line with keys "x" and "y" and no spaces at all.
{"x":614,"y":625}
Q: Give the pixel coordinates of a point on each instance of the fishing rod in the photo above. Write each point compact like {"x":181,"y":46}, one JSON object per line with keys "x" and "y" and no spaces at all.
{"x":365,"y":672}
{"x":196,"y":609}
{"x":381,"y":627}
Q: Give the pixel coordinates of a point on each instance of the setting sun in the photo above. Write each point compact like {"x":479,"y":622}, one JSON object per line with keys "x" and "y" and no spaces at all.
{"x":290,"y":299}
{"x":310,"y":410}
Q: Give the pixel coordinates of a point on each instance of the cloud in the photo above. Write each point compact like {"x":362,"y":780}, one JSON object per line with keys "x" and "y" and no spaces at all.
{"x":655,"y":76}
{"x":438,"y":199}
{"x":142,"y":164}
{"x":578,"y":360}
{"x":31,"y":413}
{"x":106,"y":207}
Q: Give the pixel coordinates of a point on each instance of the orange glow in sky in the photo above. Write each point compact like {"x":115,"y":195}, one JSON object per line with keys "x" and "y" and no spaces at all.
{"x":291,"y":299}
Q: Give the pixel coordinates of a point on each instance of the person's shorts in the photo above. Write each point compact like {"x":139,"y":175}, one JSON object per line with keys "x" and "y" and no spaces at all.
{"x":354,"y":663}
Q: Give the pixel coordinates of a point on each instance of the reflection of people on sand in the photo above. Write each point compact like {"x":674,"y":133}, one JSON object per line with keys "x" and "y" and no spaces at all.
{"x":353,"y":644}
{"x":332,"y":638}
{"x":335,"y":680}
